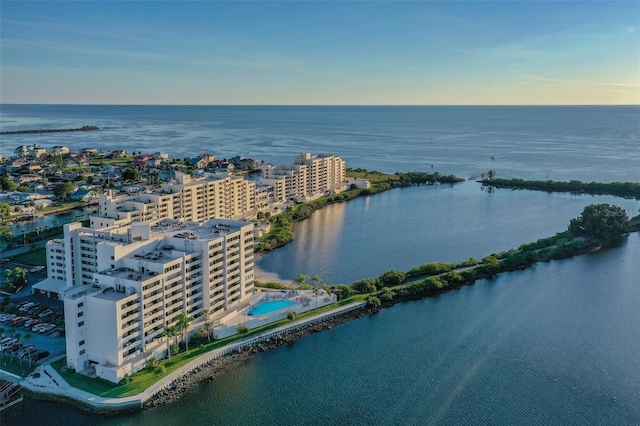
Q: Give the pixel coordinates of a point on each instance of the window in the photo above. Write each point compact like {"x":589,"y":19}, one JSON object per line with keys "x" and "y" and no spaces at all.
{"x":80,"y":314}
{"x":81,"y":323}
{"x":80,"y":305}
{"x":81,"y":343}
{"x":82,"y":352}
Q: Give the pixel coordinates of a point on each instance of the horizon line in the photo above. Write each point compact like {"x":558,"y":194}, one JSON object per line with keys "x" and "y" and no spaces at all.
{"x":307,"y":105}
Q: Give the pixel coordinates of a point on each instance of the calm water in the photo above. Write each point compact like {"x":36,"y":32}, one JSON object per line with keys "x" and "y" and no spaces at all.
{"x":555,"y":344}
{"x":587,"y":143}
{"x":403,"y":228}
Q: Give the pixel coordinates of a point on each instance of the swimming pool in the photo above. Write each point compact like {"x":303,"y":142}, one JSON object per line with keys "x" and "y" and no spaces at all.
{"x":271,"y":306}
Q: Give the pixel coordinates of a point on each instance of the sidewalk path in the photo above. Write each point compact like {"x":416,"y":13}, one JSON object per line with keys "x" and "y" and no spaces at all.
{"x":50,"y":382}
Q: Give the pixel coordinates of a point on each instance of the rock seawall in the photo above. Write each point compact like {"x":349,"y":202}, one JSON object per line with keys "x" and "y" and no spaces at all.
{"x":209,"y":371}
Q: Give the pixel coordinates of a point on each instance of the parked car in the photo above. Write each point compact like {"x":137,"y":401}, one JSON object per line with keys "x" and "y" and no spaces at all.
{"x":37,"y":268}
{"x":47,"y":328}
{"x":45,"y":314}
{"x":24,"y":352}
{"x":30,"y":323}
{"x":26,"y":307}
{"x":7,"y":317}
{"x":21,"y":321}
{"x":40,"y":355}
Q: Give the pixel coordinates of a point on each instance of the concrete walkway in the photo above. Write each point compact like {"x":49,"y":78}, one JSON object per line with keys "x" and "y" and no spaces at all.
{"x":50,"y":382}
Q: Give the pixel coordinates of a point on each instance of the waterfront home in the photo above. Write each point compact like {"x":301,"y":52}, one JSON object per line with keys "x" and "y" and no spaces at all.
{"x":82,"y":195}
{"x":30,"y":151}
{"x":117,"y":153}
{"x":198,"y":163}
{"x":140,"y":160}
{"x":59,"y":150}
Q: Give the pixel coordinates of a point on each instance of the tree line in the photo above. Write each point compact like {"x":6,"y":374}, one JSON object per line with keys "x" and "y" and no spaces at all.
{"x":599,"y":225}
{"x":629,"y":190}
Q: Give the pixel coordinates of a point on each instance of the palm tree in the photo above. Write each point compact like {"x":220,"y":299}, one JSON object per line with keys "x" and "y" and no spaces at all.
{"x":47,"y":228}
{"x":18,"y":337}
{"x":39,"y":231}
{"x":2,"y":330}
{"x":27,"y":338}
{"x":56,"y":223}
{"x":301,"y":279}
{"x":316,"y":280}
{"x":24,"y":237}
{"x":169,"y":332}
{"x":207,"y":326}
{"x":183,"y":324}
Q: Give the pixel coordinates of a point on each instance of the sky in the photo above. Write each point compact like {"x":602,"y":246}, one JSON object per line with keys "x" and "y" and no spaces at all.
{"x":320,"y":53}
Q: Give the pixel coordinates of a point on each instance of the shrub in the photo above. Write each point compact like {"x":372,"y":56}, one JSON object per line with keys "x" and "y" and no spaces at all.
{"x":392,"y":278}
{"x":373,"y":302}
{"x":367,"y":285}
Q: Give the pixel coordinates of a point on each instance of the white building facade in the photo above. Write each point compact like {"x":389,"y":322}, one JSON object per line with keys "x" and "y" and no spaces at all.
{"x":310,"y":177}
{"x":144,"y":276}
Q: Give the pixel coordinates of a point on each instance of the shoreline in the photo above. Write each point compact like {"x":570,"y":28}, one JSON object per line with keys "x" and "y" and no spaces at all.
{"x":209,"y":371}
{"x":201,"y":369}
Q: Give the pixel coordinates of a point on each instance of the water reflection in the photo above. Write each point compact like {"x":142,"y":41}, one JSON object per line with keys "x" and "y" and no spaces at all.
{"x":51,"y":220}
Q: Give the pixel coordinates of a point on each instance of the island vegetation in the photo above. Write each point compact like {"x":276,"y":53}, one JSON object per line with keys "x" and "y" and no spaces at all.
{"x":630,"y":190}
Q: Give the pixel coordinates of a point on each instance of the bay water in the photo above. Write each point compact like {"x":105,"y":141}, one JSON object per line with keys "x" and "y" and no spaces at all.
{"x":558,"y":343}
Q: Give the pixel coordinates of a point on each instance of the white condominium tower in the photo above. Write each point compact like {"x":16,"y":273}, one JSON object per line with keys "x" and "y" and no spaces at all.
{"x":185,"y":198}
{"x":147,"y":274}
{"x":308,"y":178}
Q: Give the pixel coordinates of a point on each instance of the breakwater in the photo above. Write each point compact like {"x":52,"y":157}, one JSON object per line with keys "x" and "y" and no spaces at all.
{"x":26,"y":132}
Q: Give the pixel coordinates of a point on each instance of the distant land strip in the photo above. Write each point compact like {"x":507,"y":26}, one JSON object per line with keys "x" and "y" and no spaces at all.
{"x":619,"y":189}
{"x":22,"y":132}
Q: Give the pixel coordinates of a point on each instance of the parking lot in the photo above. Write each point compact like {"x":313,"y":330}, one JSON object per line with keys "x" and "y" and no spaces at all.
{"x":41,"y":310}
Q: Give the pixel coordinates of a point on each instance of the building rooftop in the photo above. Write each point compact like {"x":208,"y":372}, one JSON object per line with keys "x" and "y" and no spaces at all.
{"x":213,"y":228}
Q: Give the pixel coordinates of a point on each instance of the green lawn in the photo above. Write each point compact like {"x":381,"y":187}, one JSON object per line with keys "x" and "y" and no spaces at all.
{"x":65,"y":205}
{"x":373,"y":176}
{"x":144,"y":379}
{"x":34,"y":257}
{"x":14,"y":365}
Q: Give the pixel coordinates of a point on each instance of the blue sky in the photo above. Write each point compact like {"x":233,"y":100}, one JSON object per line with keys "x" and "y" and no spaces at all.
{"x":482,"y":52}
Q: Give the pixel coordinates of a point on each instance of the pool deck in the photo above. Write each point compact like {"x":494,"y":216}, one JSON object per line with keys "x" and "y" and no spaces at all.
{"x":274,"y":305}
{"x":50,"y":382}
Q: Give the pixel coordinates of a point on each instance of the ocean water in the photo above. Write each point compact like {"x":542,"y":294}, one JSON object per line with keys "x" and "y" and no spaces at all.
{"x":591,"y":143}
{"x":556,"y":344}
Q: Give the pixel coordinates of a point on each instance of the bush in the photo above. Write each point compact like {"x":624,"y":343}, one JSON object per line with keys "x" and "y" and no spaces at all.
{"x":373,"y":302}
{"x":367,"y":285}
{"x":174,"y":348}
{"x":392,"y":278}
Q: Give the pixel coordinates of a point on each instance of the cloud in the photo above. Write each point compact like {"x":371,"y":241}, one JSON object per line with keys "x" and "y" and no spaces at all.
{"x":533,"y":79}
